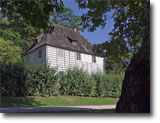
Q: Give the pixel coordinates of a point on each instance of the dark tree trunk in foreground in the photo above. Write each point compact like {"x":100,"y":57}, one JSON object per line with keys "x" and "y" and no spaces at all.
{"x":135,"y":96}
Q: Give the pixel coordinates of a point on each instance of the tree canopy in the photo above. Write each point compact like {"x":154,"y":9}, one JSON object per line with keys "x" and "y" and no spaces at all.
{"x":67,"y":18}
{"x":127,"y":34}
{"x":35,"y":12}
{"x":9,"y":53}
{"x":19,"y":32}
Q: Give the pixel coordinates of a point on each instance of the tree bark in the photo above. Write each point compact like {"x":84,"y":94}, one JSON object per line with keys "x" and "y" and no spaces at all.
{"x":135,"y":96}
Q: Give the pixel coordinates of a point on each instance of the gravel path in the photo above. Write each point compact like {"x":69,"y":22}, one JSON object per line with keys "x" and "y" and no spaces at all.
{"x":54,"y":109}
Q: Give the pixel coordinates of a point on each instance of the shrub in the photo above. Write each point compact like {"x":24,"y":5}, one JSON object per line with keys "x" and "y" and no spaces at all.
{"x":13,"y":78}
{"x":42,"y":80}
{"x":113,"y":84}
{"x":100,"y":88}
{"x":76,"y":82}
{"x":108,"y":85}
{"x":23,"y":79}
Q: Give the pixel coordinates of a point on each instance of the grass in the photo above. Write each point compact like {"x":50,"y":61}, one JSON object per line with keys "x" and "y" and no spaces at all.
{"x":36,"y":101}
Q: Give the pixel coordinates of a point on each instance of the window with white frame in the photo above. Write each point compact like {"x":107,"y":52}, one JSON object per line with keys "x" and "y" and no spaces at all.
{"x":60,"y":53}
{"x":78,"y":56}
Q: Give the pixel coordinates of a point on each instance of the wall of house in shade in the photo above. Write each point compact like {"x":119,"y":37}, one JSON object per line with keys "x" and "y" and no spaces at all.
{"x":33,"y":57}
{"x":63,"y":59}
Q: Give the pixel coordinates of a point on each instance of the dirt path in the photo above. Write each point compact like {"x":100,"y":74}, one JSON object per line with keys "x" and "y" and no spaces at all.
{"x":55,"y":109}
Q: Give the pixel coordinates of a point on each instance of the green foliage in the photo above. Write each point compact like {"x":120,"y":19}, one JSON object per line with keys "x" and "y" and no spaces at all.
{"x":23,"y":79}
{"x":41,"y":80}
{"x":96,"y":15}
{"x":108,"y":85}
{"x":9,"y":53}
{"x":115,"y":62}
{"x":19,"y":32}
{"x":116,"y":67}
{"x":13,"y":77}
{"x":100,"y":88}
{"x":67,"y":18}
{"x":34,"y":12}
{"x":113,"y":84}
{"x":22,"y":33}
{"x":129,"y":17}
{"x":76,"y":82}
{"x":127,"y":34}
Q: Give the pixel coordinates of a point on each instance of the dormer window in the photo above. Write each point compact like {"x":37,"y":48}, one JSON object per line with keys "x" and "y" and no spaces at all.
{"x":74,"y":42}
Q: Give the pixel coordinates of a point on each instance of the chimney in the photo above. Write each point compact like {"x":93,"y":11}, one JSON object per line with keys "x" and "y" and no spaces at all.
{"x":75,"y":29}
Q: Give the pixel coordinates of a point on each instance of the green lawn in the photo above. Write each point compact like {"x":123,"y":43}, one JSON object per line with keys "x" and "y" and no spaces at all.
{"x":55,"y":101}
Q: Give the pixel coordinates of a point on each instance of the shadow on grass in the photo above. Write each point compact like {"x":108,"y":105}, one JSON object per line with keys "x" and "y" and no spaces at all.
{"x":30,"y":105}
{"x":6,"y":102}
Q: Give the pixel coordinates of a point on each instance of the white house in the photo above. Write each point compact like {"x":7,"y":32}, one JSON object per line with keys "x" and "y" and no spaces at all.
{"x":64,"y":48}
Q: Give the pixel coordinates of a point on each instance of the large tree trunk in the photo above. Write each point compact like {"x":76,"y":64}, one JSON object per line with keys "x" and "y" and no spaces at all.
{"x":135,"y":96}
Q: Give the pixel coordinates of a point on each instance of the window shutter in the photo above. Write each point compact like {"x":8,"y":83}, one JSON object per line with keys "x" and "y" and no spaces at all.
{"x":94,"y":59}
{"x":40,"y":53}
{"x":60,"y":53}
{"x":78,"y":56}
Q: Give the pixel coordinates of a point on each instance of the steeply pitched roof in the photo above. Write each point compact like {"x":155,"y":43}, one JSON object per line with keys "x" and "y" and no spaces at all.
{"x":62,"y":37}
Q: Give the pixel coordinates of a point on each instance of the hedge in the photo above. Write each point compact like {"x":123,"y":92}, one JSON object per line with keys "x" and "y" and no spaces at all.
{"x":40,"y":80}
{"x":76,"y":82}
{"x":12,"y":79}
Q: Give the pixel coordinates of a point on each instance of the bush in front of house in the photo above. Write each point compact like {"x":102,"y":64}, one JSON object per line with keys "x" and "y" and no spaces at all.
{"x":42,"y":80}
{"x":12,"y":79}
{"x":77,"y":83}
{"x":26,"y":80}
{"x":23,"y":79}
{"x":100,"y":84}
{"x":108,"y":85}
{"x":114,"y":84}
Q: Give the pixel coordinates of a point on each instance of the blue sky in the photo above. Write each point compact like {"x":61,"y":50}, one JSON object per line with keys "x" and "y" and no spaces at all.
{"x":99,"y":35}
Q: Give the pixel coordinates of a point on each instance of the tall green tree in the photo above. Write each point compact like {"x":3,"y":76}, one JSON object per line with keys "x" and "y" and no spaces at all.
{"x":135,"y":95}
{"x":131,"y":21}
{"x":129,"y":17}
{"x":127,"y":34}
{"x":67,"y":18}
{"x":18,"y":31}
